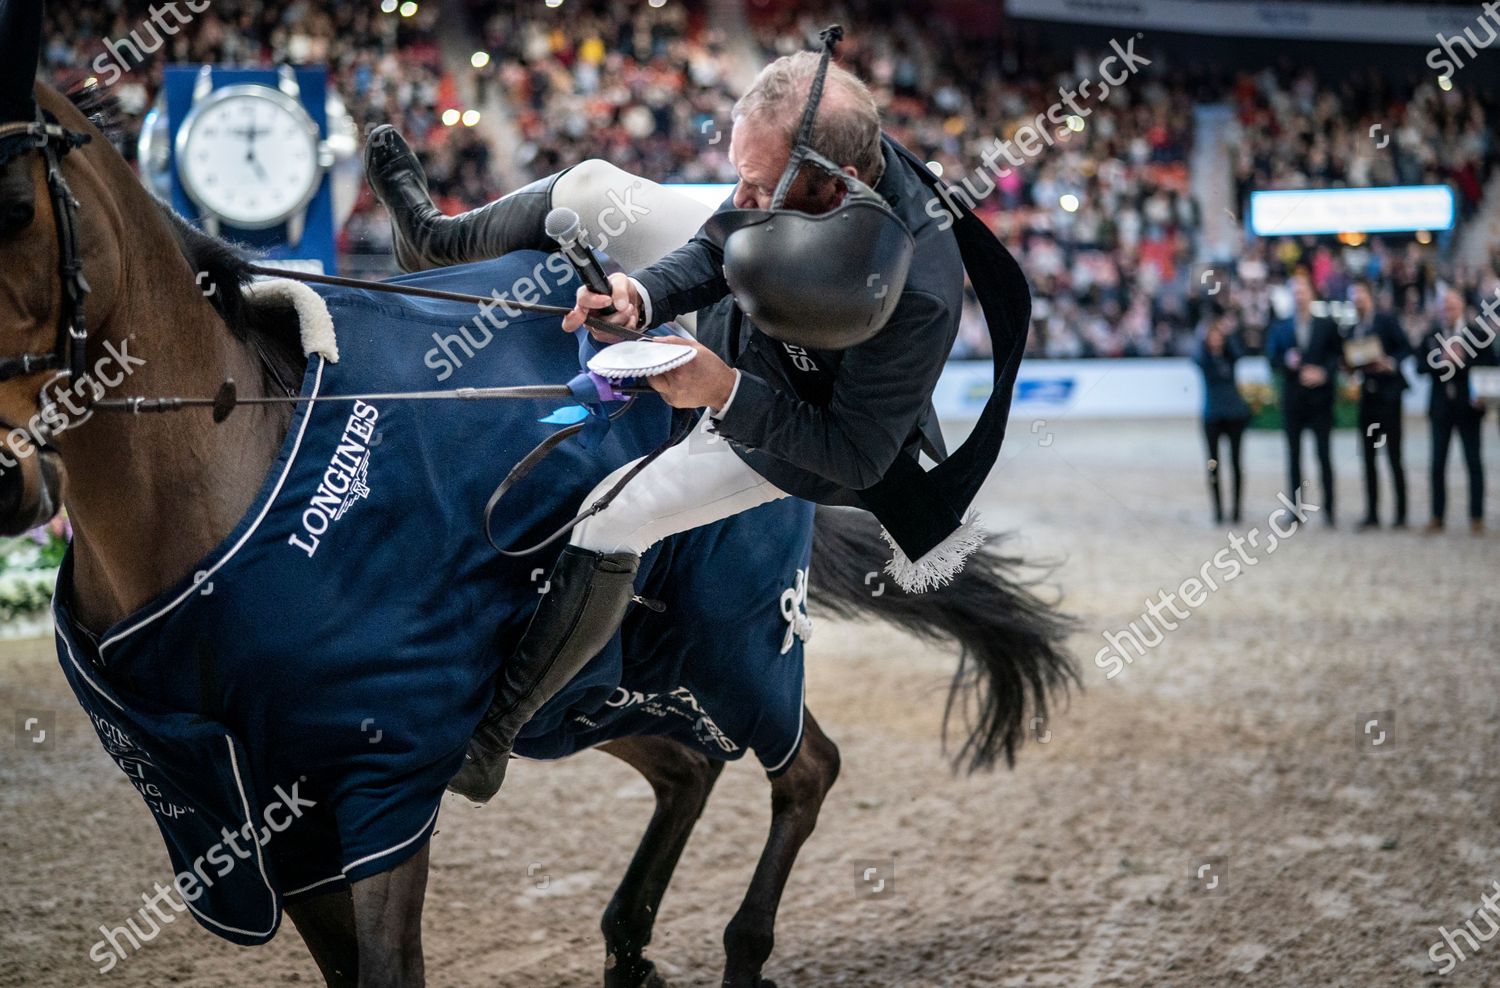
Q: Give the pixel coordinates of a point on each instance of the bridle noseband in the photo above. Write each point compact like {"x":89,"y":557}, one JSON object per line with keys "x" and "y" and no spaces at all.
{"x":70,"y":351}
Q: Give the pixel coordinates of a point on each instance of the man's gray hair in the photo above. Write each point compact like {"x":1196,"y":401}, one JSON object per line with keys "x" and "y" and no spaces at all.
{"x":847,"y":128}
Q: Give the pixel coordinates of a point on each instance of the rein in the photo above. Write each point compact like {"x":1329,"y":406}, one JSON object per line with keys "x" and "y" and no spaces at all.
{"x":419,"y":292}
{"x":69,"y":356}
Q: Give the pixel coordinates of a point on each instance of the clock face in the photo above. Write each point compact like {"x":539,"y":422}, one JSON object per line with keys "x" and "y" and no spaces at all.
{"x":249,"y":155}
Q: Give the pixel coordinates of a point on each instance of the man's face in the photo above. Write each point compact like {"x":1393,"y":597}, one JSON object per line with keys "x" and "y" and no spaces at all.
{"x":759,"y":153}
{"x":1363,"y":303}
{"x":1302,"y":294}
{"x":1453,"y":308}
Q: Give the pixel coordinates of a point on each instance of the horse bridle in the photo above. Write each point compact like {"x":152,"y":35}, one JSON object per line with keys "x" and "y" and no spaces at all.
{"x":70,"y":350}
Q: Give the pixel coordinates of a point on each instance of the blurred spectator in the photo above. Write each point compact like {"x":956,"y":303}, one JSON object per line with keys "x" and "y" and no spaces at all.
{"x":1305,"y":350}
{"x":1381,"y":383}
{"x":1225,"y":412}
{"x":1447,"y":355}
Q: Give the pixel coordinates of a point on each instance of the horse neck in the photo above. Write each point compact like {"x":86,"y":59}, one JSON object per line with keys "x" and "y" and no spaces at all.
{"x":150,"y":495}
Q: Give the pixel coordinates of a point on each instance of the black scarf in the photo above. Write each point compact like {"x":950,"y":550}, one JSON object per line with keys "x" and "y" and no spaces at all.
{"x":921,"y":509}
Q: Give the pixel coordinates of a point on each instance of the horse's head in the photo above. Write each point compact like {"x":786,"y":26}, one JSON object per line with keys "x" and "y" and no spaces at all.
{"x":35,"y":309}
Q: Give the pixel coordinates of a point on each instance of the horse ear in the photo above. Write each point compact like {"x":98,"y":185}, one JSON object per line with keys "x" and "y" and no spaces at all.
{"x":20,"y":50}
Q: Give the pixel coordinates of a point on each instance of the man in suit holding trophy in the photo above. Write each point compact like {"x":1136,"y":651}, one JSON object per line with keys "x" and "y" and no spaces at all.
{"x":1373,"y":352}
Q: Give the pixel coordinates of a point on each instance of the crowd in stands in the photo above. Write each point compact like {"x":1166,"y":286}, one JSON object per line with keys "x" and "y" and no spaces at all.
{"x":1101,"y":217}
{"x":650,"y":89}
{"x":646,"y":87}
{"x":1295,"y":131}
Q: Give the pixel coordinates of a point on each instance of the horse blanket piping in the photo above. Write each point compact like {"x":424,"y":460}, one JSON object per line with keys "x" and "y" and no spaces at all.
{"x":292,"y":711}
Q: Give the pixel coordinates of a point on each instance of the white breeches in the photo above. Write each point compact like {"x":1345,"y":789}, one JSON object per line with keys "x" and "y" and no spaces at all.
{"x":698,"y":481}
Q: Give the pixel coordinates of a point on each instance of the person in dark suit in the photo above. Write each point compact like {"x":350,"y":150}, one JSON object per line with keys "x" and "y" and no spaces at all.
{"x":1306,"y":350}
{"x":1380,"y":386}
{"x":1225,"y":412}
{"x":1447,"y":353}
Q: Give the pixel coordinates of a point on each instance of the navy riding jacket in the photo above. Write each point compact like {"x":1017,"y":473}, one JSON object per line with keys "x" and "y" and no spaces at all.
{"x":879,"y":405}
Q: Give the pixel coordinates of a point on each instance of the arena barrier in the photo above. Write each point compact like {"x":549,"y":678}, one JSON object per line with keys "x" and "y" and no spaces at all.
{"x":1165,"y":387}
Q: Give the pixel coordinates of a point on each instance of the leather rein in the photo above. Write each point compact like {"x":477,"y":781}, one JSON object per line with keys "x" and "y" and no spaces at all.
{"x":69,"y":356}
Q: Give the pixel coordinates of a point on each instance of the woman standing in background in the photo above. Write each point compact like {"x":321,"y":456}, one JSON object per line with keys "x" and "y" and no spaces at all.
{"x":1225,"y":413}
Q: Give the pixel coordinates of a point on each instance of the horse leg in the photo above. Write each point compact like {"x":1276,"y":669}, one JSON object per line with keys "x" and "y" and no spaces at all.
{"x":388,"y":924}
{"x":374,"y":927}
{"x":682,"y":779}
{"x":326,"y":924}
{"x":796,"y":796}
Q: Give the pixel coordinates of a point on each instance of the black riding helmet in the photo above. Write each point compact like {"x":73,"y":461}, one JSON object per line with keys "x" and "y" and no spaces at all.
{"x":825,"y":282}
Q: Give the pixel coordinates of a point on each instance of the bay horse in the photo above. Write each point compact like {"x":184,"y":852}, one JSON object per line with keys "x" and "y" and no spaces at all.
{"x":149,"y":497}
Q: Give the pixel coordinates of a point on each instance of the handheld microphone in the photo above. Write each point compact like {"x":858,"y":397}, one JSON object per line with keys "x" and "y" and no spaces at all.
{"x":564,"y":226}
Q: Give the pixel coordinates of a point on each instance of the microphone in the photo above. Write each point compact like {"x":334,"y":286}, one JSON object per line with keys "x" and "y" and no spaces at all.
{"x":564,"y":226}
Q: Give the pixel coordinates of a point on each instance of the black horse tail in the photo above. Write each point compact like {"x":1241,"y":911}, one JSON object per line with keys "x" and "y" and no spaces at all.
{"x":1012,"y":660}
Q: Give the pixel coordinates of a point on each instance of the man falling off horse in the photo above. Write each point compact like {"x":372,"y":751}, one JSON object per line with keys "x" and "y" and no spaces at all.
{"x":824,"y":317}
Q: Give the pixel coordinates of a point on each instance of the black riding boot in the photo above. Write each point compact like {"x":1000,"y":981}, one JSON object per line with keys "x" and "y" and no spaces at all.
{"x":577,"y":615}
{"x":425,"y":238}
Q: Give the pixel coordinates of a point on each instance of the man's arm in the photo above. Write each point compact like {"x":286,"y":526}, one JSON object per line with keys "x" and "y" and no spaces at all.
{"x":1397,"y":346}
{"x":1424,"y":350}
{"x":1200,"y":355}
{"x":1333,"y":354}
{"x":1276,"y":349}
{"x":881,"y":389}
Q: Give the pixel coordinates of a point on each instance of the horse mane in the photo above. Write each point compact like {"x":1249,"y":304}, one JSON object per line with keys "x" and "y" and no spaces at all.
{"x":224,"y":272}
{"x":102,"y":107}
{"x":222,"y":269}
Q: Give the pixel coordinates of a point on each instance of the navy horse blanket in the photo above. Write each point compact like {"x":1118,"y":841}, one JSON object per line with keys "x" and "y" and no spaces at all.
{"x":291,"y":711}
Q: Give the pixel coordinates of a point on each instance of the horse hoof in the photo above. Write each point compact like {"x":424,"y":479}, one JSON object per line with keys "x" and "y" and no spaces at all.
{"x":640,"y":974}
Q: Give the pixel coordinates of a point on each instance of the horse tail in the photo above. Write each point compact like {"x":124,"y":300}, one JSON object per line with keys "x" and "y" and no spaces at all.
{"x":1012,"y":659}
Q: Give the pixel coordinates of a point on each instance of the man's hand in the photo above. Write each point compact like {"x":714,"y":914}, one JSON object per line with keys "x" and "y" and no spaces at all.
{"x":1454,"y":351}
{"x":626,"y":300}
{"x":1312,"y":376}
{"x":703,"y":382}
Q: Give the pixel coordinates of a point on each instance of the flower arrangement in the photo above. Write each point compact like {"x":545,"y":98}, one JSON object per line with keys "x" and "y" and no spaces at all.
{"x":1265,"y":405}
{"x":28,"y":574}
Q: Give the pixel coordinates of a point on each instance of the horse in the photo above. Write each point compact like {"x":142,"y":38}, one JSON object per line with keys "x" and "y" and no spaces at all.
{"x":150,"y":497}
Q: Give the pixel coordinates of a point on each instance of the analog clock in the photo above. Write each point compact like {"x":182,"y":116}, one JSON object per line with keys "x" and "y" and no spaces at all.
{"x":250,"y":157}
